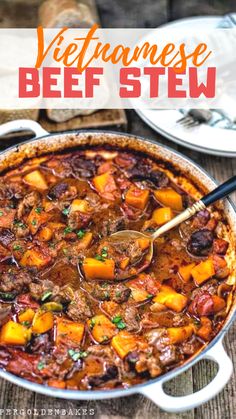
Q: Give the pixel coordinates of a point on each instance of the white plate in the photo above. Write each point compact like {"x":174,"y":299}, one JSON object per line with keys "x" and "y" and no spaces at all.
{"x":204,"y":138}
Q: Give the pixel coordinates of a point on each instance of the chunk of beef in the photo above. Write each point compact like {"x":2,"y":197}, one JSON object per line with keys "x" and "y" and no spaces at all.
{"x":158,"y":319}
{"x":131,"y":319}
{"x":37,"y":290}
{"x":153,"y":178}
{"x":79,"y":308}
{"x":99,"y":380}
{"x":4,"y":253}
{"x":6,"y":236}
{"x":40,"y":344}
{"x":125,"y":160}
{"x":158,"y":338}
{"x":221,"y":267}
{"x":105,"y":292}
{"x":9,"y":190}
{"x":132,"y":358}
{"x":121,"y":248}
{"x":202,"y":305}
{"x":82,"y":168}
{"x":210,"y":287}
{"x":220,"y":246}
{"x":144,"y":362}
{"x":23,"y":364}
{"x":7,"y":217}
{"x":130,"y":213}
{"x":141,"y":170}
{"x":58,"y":190}
{"x":26,"y":300}
{"x":58,"y":165}
{"x":180,"y":320}
{"x":200,"y":242}
{"x":29,"y":201}
{"x":77,"y":220}
{"x":108,"y":221}
{"x":102,"y":293}
{"x":5,"y":311}
{"x":169,"y":355}
{"x":4,"y":357}
{"x":190,"y":347}
{"x":201,"y":219}
{"x":100,"y":351}
{"x":93,"y":199}
{"x":21,"y":230}
{"x":14,"y":281}
{"x":120,"y":293}
{"x":212,"y":224}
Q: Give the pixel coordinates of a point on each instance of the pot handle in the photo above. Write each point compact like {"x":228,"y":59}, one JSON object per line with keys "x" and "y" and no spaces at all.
{"x":22,"y":125}
{"x":174,"y":404}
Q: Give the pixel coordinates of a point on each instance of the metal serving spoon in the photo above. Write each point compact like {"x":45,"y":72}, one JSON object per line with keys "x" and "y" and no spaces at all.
{"x":127,"y":235}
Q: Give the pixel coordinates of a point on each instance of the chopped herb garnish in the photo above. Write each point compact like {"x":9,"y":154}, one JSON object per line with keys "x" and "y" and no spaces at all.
{"x":80,"y":233}
{"x":52,"y":245}
{"x":17,"y":247}
{"x":26,"y":323}
{"x":76,"y":355}
{"x":40,"y":365}
{"x":118,"y":321}
{"x":105,"y":338}
{"x":121,"y":325}
{"x":149,"y":295}
{"x":92,"y":323}
{"x":99,"y":257}
{"x":118,"y":294}
{"x":34,"y":222}
{"x":106,"y":295}
{"x":104,"y":285}
{"x":38,"y":210}
{"x":19,"y":223}
{"x":1,"y":213}
{"x":65,"y":211}
{"x":46,"y":295}
{"x":67,"y":230}
{"x":7,"y":296}
{"x":104,"y":253}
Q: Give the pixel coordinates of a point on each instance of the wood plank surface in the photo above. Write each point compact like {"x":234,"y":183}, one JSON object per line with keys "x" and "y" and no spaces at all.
{"x":137,"y":13}
{"x":24,"y":14}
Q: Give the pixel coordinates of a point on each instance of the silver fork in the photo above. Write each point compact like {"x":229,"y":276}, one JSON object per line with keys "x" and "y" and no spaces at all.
{"x":195,"y":117}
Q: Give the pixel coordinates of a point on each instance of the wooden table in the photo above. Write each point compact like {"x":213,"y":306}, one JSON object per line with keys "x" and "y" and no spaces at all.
{"x":138,"y":13}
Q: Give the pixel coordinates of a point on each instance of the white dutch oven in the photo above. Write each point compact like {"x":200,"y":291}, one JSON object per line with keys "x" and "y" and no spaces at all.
{"x":214,"y":351}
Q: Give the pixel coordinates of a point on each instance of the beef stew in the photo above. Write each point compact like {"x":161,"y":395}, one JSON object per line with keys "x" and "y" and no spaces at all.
{"x":66,"y":321}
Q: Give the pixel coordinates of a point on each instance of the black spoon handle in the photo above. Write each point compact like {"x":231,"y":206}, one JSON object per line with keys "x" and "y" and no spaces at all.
{"x":220,"y":192}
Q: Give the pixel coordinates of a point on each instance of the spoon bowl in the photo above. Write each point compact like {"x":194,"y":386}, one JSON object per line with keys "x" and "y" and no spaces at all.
{"x":128,"y":236}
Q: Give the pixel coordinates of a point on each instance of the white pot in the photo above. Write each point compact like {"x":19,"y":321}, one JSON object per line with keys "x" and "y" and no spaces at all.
{"x":214,"y":351}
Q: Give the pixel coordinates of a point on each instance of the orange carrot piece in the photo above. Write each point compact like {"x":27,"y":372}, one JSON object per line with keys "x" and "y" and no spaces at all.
{"x":203,"y":271}
{"x":137,"y":197}
{"x":97,"y":269}
{"x":169,"y":198}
